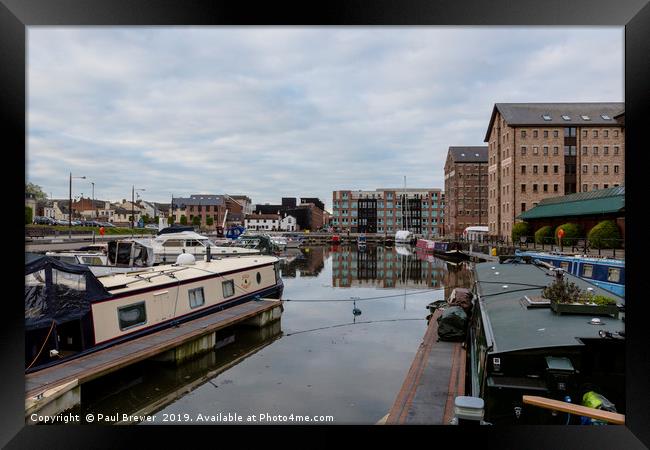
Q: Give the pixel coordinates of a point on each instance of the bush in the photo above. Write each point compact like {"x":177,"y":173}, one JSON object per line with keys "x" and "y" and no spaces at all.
{"x":605,"y":235}
{"x":196,"y":221}
{"x":29,"y":215}
{"x":572,"y":232}
{"x":519,"y":229}
{"x":544,"y":235}
{"x":183,"y":220}
{"x":209,"y":221}
{"x":170,"y":220}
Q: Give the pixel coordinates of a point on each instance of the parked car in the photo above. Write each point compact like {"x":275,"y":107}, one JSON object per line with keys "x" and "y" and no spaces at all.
{"x":42,"y":220}
{"x":151,"y":226}
{"x":107,"y":225}
{"x":91,"y":223}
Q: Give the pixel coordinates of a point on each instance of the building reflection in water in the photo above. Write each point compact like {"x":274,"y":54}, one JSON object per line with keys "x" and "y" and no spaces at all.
{"x":306,"y":262}
{"x":385,"y":267}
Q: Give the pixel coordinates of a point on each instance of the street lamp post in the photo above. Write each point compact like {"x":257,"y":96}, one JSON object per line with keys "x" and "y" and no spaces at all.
{"x":70,"y":206}
{"x":95,"y":210}
{"x":133,"y":189}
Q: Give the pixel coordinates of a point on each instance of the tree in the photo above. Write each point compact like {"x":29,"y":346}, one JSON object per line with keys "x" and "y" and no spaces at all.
{"x":544,"y":235}
{"x":183,"y":220}
{"x":196,"y":221}
{"x":146,"y":218}
{"x":28,"y":215}
{"x":31,"y":188}
{"x":209,"y":221}
{"x":572,"y":233}
{"x":520,"y":229}
{"x":170,"y":220}
{"x":605,"y":235}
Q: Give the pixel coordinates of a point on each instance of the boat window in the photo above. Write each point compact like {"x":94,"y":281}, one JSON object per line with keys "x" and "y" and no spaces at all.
{"x":258,"y":277}
{"x":588,"y":271}
{"x":35,"y":278}
{"x":172,"y":243}
{"x":67,"y":259}
{"x":69,"y":280}
{"x":132,"y":315}
{"x":93,"y":260}
{"x":564,"y":265}
{"x":228,"y":288}
{"x":196,"y":297}
{"x":613,"y":274}
{"x":124,"y":253}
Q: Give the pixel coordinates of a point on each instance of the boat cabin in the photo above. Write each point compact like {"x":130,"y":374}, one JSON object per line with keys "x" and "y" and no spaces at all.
{"x":520,"y":346}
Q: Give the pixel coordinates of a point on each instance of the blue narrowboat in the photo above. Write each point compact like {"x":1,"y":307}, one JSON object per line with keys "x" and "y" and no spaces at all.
{"x":608,"y":274}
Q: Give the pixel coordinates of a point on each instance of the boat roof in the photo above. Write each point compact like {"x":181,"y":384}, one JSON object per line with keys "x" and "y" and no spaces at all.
{"x":579,"y":258}
{"x":118,"y":283}
{"x":510,"y":326}
{"x":181,"y":235}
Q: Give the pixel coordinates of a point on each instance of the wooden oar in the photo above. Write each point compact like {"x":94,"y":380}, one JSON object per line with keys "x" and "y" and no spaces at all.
{"x":578,"y":410}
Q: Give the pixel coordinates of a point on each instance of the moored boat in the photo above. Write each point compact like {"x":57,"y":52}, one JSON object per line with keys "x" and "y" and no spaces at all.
{"x":519,"y":345}
{"x":168,"y":245}
{"x":442,"y":249}
{"x":70,"y":312}
{"x":606,"y":273}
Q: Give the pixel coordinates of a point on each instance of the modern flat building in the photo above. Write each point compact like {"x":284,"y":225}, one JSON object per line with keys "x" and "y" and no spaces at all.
{"x":386,"y":210}
{"x":541,"y":150}
{"x":466,"y":188}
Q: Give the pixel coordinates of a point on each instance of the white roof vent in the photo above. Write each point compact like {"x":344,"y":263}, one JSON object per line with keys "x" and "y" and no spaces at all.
{"x":185,"y":259}
{"x":585,"y":118}
{"x":565,"y":117}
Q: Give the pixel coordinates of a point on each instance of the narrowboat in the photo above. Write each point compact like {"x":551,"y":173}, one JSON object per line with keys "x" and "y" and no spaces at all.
{"x":606,"y":273}
{"x":362,"y":240}
{"x":445,"y":250}
{"x":518,"y":345}
{"x":70,"y":312}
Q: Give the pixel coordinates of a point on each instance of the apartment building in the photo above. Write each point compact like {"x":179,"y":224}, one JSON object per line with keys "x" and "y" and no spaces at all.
{"x":541,"y":150}
{"x":387,"y":210}
{"x":466,"y":187}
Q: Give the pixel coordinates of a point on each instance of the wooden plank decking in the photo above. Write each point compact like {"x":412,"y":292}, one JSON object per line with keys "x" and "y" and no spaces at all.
{"x":436,"y":377}
{"x":102,"y":362}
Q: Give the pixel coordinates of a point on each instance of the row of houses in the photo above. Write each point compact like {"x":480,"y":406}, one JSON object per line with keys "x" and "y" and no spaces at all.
{"x":118,"y":213}
{"x":208,"y":211}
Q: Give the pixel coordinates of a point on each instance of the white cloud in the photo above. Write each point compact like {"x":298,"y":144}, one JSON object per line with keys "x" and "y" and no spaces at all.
{"x":275,"y":111}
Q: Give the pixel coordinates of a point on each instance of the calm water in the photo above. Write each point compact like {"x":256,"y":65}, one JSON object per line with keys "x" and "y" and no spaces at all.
{"x":337,"y":350}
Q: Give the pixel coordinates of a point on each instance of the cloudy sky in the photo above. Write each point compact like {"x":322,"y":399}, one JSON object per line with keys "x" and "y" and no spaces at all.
{"x":286,"y":111}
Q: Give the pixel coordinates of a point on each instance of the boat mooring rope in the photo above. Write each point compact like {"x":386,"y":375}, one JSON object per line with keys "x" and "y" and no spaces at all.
{"x":353,"y":323}
{"x":42,"y":346}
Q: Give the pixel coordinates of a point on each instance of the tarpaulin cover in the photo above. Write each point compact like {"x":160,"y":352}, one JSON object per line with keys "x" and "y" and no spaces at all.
{"x":452,"y":324}
{"x":461,"y":297}
{"x":58,"y":291}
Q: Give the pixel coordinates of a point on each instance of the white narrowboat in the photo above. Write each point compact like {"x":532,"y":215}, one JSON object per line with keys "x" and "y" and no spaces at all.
{"x":70,"y":312}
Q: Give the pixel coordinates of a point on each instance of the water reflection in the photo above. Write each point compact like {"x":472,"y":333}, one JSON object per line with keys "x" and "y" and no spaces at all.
{"x":148,"y":386}
{"x":351,"y":325}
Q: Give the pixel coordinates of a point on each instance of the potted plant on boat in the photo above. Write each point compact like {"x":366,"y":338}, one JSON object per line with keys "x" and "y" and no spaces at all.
{"x":567,"y":298}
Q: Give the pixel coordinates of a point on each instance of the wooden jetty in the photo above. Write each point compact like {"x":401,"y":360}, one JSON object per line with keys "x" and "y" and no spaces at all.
{"x":436,"y":377}
{"x":57,"y":388}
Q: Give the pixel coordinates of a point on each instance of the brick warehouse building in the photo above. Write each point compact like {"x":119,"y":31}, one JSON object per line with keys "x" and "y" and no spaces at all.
{"x":466,"y":188}
{"x":204,"y":206}
{"x":541,"y":150}
{"x":383,"y":211}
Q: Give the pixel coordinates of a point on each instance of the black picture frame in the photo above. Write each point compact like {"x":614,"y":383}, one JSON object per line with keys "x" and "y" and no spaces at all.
{"x":16,"y":15}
